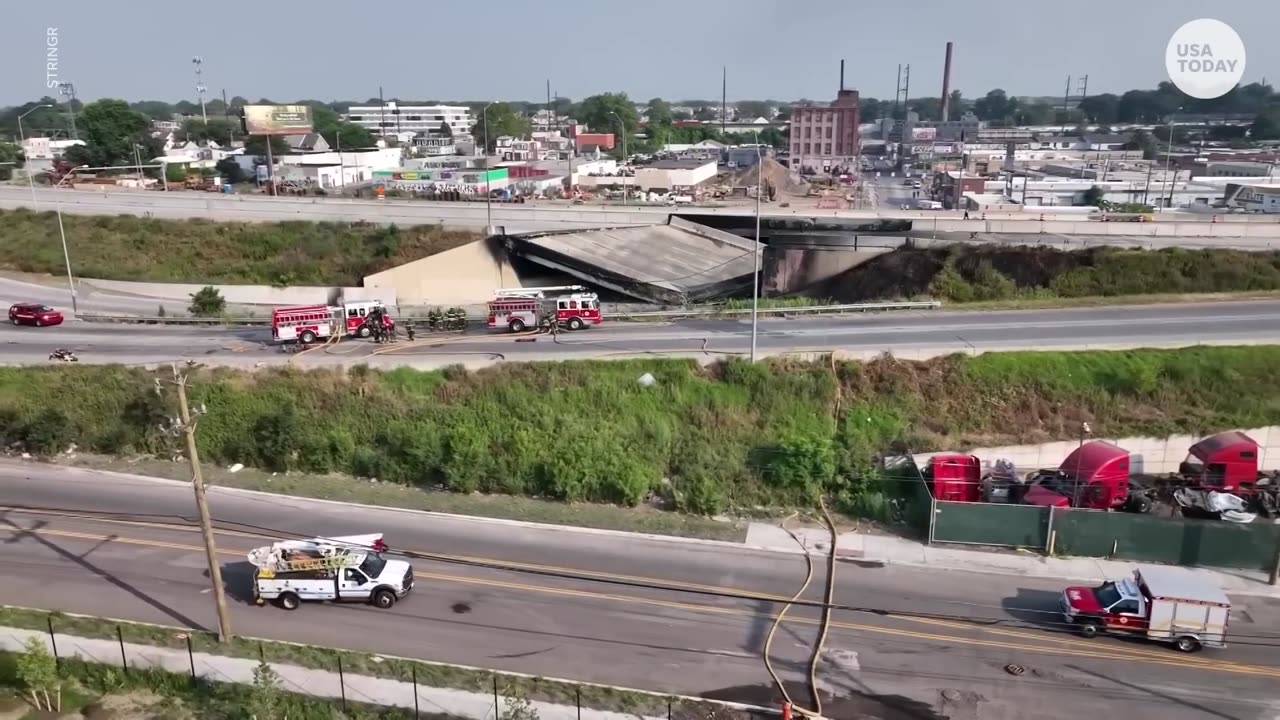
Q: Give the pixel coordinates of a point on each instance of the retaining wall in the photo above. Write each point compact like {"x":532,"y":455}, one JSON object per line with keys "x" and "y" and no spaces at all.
{"x":242,"y":294}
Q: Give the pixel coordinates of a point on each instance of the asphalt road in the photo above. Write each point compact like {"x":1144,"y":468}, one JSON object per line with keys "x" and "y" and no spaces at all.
{"x":906,"y":334}
{"x":663,"y":615}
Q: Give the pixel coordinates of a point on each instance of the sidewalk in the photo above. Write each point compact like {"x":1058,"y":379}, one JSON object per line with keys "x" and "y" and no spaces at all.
{"x":294,"y":679}
{"x":892,"y":550}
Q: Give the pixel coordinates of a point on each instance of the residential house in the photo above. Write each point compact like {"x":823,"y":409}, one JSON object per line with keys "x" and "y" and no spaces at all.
{"x":307,"y":142}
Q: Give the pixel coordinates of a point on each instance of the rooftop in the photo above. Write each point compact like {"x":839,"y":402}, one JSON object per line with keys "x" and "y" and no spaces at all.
{"x":679,"y":164}
{"x":1181,"y":583}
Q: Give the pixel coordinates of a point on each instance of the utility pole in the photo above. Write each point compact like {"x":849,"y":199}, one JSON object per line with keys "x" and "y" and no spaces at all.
{"x":200,"y":88}
{"x":724,"y":97}
{"x":69,"y":90}
{"x":186,"y":425}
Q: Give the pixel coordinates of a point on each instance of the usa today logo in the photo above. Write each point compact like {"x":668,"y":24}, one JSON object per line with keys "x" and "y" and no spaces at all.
{"x":1205,"y":58}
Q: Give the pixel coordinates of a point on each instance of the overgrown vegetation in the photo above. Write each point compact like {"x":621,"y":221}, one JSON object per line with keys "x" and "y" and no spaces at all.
{"x":975,"y":273}
{"x":124,"y":247}
{"x":730,"y":437}
{"x":516,"y":690}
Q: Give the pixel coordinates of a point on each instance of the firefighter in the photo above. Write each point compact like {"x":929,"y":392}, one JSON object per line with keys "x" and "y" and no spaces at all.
{"x":462,"y":319}
{"x":408,"y":328}
{"x":433,"y":319}
{"x":374,"y":319}
{"x":451,"y":318}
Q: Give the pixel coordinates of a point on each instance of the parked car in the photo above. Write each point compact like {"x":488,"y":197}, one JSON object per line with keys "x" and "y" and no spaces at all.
{"x":34,"y":314}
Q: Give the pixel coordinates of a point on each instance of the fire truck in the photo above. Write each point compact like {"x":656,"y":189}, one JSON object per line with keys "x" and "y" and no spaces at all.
{"x":1164,"y":604}
{"x":309,"y":323}
{"x":520,"y":308}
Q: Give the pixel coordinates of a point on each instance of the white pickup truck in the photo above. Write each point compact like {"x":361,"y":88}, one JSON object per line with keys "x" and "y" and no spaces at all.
{"x":340,"y":569}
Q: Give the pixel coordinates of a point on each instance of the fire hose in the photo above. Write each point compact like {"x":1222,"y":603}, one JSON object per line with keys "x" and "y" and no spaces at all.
{"x":824,"y":624}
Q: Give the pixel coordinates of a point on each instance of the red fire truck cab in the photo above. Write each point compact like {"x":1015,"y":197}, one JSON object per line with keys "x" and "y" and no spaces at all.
{"x":518,"y":309}
{"x":309,"y":323}
{"x":1165,"y":604}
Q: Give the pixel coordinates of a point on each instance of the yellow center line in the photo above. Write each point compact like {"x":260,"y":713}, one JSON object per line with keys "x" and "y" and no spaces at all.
{"x":972,"y":626}
{"x":1104,"y":653}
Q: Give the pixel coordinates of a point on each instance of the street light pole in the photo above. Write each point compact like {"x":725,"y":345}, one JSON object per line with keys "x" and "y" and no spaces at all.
{"x":22,"y":139}
{"x":1168,"y":161}
{"x":623,"y":127}
{"x":57,"y":203}
{"x":488,"y":193}
{"x":755,"y":251}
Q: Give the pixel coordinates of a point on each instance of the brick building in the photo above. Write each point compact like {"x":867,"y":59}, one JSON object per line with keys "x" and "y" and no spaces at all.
{"x":825,"y":137}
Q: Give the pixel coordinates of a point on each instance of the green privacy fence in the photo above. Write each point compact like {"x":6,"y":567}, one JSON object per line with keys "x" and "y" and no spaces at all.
{"x":1178,"y":541}
{"x":1091,"y":533}
{"x":989,"y":524}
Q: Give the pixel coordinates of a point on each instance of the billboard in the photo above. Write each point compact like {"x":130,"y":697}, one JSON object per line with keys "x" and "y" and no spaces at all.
{"x":924,"y":133}
{"x":277,"y":119}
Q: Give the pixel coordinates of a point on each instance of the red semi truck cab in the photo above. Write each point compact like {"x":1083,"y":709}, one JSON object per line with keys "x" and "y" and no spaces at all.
{"x":1095,"y":475}
{"x":1163,"y":604}
{"x":1226,"y":462}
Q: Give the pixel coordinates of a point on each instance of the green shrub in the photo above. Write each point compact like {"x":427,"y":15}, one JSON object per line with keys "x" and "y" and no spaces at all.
{"x":207,"y":302}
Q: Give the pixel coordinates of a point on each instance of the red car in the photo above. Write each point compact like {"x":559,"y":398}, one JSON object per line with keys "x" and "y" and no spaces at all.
{"x":34,"y":314}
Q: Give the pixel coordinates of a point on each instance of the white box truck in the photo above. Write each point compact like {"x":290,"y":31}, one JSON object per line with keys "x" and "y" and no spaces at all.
{"x":340,"y":569}
{"x":1164,"y":604}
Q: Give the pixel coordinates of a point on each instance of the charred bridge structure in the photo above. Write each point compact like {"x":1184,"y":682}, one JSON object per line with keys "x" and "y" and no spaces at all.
{"x":699,"y":258}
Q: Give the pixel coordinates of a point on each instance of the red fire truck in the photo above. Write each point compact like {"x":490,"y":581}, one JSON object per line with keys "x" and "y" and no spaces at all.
{"x":520,"y":308}
{"x":309,"y":323}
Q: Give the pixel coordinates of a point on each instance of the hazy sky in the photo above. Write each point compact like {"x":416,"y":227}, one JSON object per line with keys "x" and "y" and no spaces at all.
{"x":508,"y":49}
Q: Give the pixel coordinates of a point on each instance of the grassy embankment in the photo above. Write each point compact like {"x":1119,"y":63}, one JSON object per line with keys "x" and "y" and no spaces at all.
{"x":1014,"y":276}
{"x":124,"y":247}
{"x":733,"y":438}
{"x":209,"y":699}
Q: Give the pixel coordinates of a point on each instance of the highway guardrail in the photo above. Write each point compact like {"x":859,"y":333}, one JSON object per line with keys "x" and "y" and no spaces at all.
{"x":642,"y":316}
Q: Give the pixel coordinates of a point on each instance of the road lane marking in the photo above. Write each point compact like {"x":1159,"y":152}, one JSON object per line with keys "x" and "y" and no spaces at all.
{"x":972,"y":626}
{"x":1104,"y":653}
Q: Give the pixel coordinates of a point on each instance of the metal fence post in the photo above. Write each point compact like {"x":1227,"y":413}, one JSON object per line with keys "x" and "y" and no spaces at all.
{"x":497,"y":709}
{"x":342,"y":684}
{"x":933,"y":515}
{"x":53,"y":641}
{"x":577,"y":700}
{"x":415,"y":692}
{"x":668,"y":708}
{"x":191,"y":657}
{"x":124,"y":659}
{"x":1048,"y":534}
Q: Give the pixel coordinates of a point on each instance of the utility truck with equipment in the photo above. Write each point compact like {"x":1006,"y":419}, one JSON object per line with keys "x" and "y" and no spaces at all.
{"x":341,"y":569}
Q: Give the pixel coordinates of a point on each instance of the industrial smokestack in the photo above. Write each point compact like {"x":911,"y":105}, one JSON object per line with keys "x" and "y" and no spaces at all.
{"x":842,"y":74}
{"x":946,"y":86}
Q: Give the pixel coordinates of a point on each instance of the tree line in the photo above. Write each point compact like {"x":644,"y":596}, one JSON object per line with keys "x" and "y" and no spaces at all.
{"x":111,"y":128}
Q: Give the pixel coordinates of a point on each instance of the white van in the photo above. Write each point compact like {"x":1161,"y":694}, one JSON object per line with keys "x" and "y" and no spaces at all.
{"x":343,"y":569}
